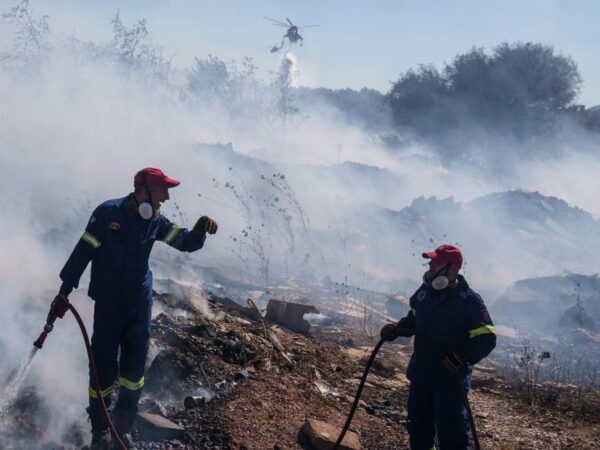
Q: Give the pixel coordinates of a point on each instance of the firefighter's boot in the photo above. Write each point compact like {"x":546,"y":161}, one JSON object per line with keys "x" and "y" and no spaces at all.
{"x":123,"y":423}
{"x":100,"y":434}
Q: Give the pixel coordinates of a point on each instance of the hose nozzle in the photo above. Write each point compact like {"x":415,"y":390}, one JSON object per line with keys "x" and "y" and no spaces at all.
{"x":58,"y":307}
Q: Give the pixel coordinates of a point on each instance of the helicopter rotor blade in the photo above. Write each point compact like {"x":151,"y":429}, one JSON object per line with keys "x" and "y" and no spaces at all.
{"x":276,"y":21}
{"x":308,"y":26}
{"x":290,"y":22}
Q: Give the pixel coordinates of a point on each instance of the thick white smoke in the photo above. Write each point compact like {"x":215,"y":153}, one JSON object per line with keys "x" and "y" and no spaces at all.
{"x":76,"y":123}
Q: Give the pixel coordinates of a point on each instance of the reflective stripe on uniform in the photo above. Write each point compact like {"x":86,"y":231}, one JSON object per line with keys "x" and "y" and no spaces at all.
{"x":172,"y":234}
{"x":90,"y":239}
{"x":413,"y":311}
{"x":486,"y":329}
{"x":131,"y":385}
{"x":106,"y":392}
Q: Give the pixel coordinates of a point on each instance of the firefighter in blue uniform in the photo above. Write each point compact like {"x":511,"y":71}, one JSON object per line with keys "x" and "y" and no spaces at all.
{"x":118,"y":240}
{"x":453,"y":331}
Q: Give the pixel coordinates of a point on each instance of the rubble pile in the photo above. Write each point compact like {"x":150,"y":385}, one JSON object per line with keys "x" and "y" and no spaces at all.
{"x":238,"y":381}
{"x":26,"y":420}
{"x":244,"y":383}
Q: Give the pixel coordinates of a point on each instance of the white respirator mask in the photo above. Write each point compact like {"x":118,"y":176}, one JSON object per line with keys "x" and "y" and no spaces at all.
{"x":439,"y":281}
{"x":145,"y":209}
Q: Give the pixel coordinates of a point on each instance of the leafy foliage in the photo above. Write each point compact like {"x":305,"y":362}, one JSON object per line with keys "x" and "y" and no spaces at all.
{"x":30,"y":34}
{"x":519,"y":87}
{"x":135,"y":50}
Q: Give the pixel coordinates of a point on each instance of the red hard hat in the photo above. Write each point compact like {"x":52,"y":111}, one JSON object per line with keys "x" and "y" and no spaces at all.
{"x":151,"y":176}
{"x":446,"y":254}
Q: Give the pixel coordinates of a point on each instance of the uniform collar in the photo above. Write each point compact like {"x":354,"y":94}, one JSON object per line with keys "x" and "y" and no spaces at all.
{"x":461,"y":283}
{"x":130,"y":206}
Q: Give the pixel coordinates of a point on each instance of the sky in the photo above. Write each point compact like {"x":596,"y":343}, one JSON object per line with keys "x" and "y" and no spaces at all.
{"x":358,"y":43}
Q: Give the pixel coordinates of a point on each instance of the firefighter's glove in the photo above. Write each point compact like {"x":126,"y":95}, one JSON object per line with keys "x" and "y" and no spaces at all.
{"x":58,"y":307}
{"x":453,"y":361}
{"x":205,"y":225}
{"x":65,"y":289}
{"x":392,"y":330}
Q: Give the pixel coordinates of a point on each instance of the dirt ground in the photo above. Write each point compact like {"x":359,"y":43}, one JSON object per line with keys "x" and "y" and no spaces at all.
{"x":316,"y":376}
{"x":261,"y":381}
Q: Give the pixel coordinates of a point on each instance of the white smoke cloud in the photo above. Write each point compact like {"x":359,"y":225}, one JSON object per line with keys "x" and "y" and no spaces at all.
{"x":75,"y":129}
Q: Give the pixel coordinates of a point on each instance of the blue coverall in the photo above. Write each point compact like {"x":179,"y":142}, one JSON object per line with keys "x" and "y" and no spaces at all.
{"x":444,"y":321}
{"x":118,"y":242}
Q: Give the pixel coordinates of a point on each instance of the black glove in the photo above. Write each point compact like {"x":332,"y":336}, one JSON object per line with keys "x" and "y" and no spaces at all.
{"x":205,"y":225}
{"x":65,"y":289}
{"x":392,"y":330}
{"x":453,"y":361}
{"x":58,"y":307}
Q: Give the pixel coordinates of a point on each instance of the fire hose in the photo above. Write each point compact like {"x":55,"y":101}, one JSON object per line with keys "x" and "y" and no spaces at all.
{"x":57,"y":310}
{"x":361,"y":385}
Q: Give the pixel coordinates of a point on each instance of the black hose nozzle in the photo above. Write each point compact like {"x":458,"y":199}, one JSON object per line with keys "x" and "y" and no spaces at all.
{"x":58,"y":307}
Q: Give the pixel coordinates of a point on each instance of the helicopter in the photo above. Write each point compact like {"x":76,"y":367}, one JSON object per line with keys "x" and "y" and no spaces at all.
{"x":291,"y":33}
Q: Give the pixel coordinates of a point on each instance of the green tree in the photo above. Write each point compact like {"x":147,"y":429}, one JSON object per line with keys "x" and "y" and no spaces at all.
{"x":521,"y":88}
{"x":418,"y":98}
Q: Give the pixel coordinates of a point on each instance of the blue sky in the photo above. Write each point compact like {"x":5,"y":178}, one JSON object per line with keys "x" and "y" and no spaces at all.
{"x":358,"y":43}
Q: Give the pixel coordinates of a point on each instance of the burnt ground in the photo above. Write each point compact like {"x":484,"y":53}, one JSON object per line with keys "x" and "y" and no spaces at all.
{"x":316,"y":376}
{"x":260,"y":382}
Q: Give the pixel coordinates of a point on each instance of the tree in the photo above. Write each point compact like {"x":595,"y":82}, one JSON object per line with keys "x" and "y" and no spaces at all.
{"x":520,"y":88}
{"x":468,"y":79}
{"x":531,"y":76}
{"x":30,"y":35}
{"x":365,"y":107}
{"x":232,"y":86}
{"x":135,"y":50}
{"x":417,"y":98}
{"x":210,"y":78}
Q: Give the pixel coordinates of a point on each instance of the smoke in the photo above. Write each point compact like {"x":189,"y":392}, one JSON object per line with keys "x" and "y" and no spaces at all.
{"x":79,"y":118}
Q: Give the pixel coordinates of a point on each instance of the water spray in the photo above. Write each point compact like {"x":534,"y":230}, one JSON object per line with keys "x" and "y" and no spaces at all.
{"x":12,"y":390}
{"x":60,"y":305}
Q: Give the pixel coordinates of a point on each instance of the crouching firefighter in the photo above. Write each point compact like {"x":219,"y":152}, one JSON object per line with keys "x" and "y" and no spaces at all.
{"x":453,"y":331}
{"x":118,"y":240}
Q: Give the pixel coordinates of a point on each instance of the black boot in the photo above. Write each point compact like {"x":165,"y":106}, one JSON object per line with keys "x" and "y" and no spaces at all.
{"x":123,"y":423}
{"x":100,"y":434}
{"x":127,"y":440}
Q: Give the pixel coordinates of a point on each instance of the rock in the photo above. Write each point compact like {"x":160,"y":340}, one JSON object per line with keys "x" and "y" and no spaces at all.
{"x":243,"y":374}
{"x":325,"y":388}
{"x":205,"y":330}
{"x":323,"y":436}
{"x":149,"y":405}
{"x":289,"y":314}
{"x":153,"y":427}
{"x":193,"y":402}
{"x":166,"y":368}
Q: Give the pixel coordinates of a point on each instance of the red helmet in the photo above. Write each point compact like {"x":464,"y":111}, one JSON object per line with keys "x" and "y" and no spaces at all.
{"x":151,"y":176}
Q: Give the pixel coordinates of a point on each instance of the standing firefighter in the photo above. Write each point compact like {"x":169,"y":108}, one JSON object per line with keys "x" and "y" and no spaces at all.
{"x":453,"y":331}
{"x":118,"y":239}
